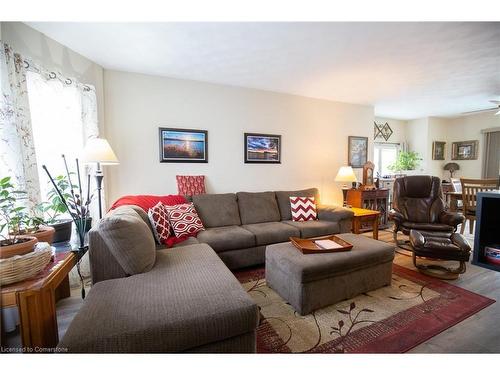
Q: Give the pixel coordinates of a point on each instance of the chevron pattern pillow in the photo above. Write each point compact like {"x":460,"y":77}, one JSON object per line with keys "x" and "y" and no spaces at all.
{"x":184,"y":220}
{"x":303,"y":208}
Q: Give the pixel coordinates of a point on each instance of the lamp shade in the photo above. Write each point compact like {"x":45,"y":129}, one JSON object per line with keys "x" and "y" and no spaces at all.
{"x":346,"y":174}
{"x":451,"y":167}
{"x":98,"y":150}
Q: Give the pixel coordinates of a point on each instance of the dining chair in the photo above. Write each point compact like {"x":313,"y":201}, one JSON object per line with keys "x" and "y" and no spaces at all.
{"x":470,"y":188}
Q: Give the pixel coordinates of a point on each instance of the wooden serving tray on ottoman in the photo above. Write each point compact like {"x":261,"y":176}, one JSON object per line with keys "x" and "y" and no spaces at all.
{"x":310,"y":246}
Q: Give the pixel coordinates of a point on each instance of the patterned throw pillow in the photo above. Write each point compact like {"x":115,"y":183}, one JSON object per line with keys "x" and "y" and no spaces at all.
{"x":158,"y":217}
{"x":184,"y":219}
{"x":190,"y":185}
{"x":303,"y":208}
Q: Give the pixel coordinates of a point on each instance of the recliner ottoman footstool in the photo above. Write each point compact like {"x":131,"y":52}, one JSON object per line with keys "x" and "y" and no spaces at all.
{"x":312,"y":281}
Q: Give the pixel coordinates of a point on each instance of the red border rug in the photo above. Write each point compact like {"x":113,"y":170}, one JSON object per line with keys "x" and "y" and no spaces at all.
{"x":396,"y":333}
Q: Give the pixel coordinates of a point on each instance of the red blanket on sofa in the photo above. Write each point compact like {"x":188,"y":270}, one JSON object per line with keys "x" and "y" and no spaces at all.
{"x":148,"y":201}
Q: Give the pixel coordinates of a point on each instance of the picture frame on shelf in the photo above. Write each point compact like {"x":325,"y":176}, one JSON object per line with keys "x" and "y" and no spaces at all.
{"x":183,"y":145}
{"x":262,"y":148}
{"x":438,"y":150}
{"x":357,"y":151}
{"x":464,"y":150}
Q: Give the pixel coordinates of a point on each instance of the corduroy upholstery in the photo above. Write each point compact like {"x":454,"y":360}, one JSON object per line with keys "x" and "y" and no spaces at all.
{"x":129,"y":239}
{"x":309,"y":282}
{"x":188,"y":300}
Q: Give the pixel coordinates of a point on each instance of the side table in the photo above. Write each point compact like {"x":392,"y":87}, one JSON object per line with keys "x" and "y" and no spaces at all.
{"x":36,"y":300}
{"x":363,"y":214}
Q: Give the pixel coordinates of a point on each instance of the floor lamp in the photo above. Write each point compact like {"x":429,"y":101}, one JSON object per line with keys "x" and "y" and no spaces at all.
{"x":98,"y":150}
{"x":345,"y":175}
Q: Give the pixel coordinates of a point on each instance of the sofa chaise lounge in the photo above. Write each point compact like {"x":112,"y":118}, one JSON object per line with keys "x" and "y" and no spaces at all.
{"x":185,"y":299}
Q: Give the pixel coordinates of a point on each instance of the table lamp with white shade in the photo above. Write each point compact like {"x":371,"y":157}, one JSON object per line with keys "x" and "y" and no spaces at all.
{"x":345,"y":175}
{"x":98,"y":150}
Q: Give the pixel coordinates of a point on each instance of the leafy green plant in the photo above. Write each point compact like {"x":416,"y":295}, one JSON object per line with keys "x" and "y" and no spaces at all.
{"x":51,"y":210}
{"x":405,"y":161}
{"x":13,"y":215}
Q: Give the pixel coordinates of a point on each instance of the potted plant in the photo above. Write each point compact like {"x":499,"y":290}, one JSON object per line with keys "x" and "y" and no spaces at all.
{"x":53,"y":209}
{"x":405,"y":161}
{"x":35,"y":225}
{"x":77,"y":206}
{"x":12,"y":218}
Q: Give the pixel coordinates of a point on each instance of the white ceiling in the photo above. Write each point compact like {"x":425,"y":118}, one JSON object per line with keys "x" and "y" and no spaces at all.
{"x":405,"y":70}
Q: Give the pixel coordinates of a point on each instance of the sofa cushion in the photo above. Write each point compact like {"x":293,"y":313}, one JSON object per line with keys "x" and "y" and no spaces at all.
{"x":217,"y":210}
{"x":129,"y":239}
{"x":273,"y":232}
{"x":283,"y":199}
{"x":227,"y":238}
{"x":188,"y":299}
{"x":314,"y":228}
{"x":258,"y":207}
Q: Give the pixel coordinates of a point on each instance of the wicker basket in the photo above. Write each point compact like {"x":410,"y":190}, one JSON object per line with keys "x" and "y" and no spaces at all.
{"x":22,"y":267}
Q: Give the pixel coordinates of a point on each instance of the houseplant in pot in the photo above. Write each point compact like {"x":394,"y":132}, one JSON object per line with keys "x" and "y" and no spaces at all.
{"x":12,"y":218}
{"x":405,"y":161}
{"x":77,"y":206}
{"x":53,"y":210}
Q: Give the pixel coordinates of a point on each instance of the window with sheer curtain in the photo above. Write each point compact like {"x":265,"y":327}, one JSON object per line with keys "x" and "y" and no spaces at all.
{"x":56,"y":120}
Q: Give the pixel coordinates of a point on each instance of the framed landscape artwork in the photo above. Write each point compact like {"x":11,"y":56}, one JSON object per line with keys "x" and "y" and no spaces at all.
{"x":438,"y":150}
{"x":262,"y":148}
{"x":466,"y":150}
{"x":357,"y":151}
{"x":183,"y":145}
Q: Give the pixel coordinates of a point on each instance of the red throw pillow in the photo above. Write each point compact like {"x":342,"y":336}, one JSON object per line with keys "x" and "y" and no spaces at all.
{"x":184,"y":220}
{"x":148,"y":201}
{"x":158,"y":217}
{"x":303,"y":208}
{"x":190,"y":185}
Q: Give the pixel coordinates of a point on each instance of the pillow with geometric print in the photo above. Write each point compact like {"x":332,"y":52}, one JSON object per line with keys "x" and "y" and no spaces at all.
{"x":158,"y":217}
{"x":303,"y":208}
{"x":184,"y":220}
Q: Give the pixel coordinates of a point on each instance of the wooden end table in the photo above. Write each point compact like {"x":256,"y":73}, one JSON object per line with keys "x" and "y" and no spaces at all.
{"x":363,"y":214}
{"x":36,"y":300}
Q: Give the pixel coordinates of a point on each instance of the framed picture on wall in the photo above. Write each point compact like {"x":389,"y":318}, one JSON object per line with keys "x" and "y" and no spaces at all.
{"x":466,"y":150}
{"x":438,"y":150}
{"x":357,"y":151}
{"x":183,"y":145}
{"x":262,"y":148}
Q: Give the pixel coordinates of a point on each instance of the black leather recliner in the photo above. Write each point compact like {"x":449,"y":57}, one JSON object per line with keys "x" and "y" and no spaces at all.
{"x":418,"y":204}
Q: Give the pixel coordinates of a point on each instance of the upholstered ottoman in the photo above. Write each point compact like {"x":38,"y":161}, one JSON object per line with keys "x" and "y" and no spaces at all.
{"x":309,"y":282}
{"x":441,"y":246}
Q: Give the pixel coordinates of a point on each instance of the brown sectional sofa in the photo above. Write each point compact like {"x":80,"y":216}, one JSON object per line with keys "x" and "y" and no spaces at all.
{"x":185,"y":299}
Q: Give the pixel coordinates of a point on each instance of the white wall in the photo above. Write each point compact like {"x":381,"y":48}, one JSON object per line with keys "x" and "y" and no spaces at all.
{"x":438,"y":130}
{"x":398,"y":127}
{"x":314,"y":135}
{"x":417,"y":138}
{"x":468,"y":128}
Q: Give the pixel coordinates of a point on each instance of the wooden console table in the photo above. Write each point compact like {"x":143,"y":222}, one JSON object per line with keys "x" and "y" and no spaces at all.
{"x":36,"y":300}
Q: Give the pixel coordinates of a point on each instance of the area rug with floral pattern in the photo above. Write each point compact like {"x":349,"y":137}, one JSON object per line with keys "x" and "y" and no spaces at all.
{"x":392,"y":319}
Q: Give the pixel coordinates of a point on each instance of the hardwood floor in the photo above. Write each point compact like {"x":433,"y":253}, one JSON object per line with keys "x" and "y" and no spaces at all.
{"x":479,"y":333}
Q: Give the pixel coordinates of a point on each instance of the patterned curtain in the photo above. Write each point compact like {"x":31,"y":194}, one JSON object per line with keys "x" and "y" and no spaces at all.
{"x":17,"y":156}
{"x":17,"y":152}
